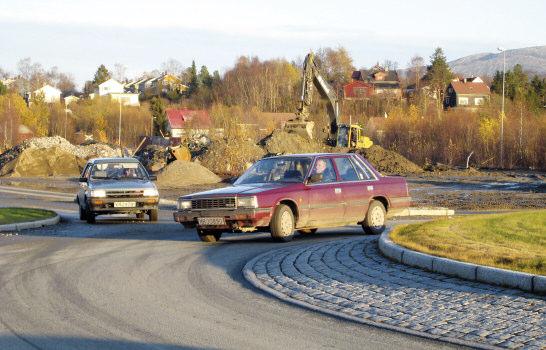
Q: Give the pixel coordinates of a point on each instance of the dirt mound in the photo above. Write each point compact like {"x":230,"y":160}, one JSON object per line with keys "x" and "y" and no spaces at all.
{"x":231,"y":158}
{"x":50,"y":156}
{"x":389,"y":162}
{"x":182,"y":173}
{"x":282,"y":142}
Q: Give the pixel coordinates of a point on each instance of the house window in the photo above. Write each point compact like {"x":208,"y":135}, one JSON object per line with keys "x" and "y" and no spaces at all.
{"x":478,"y":101}
{"x":463,"y":101}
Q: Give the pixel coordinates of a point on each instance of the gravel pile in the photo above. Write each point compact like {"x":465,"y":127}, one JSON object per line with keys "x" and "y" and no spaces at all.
{"x":50,"y":156}
{"x":181,"y":173}
{"x":282,"y":142}
{"x":229,"y":157}
{"x":389,"y":162}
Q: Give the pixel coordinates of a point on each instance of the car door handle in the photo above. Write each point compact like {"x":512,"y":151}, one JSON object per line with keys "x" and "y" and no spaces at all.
{"x":337,"y":190}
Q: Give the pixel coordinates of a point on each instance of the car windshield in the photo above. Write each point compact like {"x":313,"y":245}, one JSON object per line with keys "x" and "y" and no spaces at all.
{"x":289,"y":169}
{"x":118,"y":170}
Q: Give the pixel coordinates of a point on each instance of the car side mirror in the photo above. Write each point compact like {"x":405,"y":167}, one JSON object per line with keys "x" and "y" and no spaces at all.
{"x":314,"y":178}
{"x":83,"y":179}
{"x":152,"y":177}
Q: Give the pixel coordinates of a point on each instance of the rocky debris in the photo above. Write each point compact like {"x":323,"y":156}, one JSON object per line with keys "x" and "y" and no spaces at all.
{"x":282,"y":142}
{"x":389,"y":162}
{"x":154,"y":157}
{"x":50,"y":156}
{"x":181,"y":173}
{"x":228,"y":157}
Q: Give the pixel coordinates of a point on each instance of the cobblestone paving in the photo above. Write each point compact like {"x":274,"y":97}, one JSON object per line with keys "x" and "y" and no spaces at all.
{"x":351,"y":277}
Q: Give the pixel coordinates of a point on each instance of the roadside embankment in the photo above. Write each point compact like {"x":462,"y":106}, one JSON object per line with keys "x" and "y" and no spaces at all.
{"x":14,"y":219}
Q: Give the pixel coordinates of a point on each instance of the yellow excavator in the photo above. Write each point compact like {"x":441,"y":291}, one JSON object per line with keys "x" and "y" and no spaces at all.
{"x":344,"y":135}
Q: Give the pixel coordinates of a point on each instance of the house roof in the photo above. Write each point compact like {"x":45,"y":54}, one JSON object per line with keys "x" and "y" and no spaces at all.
{"x":368,"y":75}
{"x":469,"y":88}
{"x":180,"y":118}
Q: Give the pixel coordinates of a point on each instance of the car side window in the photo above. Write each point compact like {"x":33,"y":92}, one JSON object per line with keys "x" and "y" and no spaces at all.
{"x":346,"y":169}
{"x":87,"y":171}
{"x":324,"y":167}
{"x":362,"y":172}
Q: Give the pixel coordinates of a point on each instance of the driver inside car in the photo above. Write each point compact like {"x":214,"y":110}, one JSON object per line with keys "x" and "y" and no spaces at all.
{"x":324,"y":167}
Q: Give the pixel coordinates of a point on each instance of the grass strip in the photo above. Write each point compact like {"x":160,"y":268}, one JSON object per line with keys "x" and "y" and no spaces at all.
{"x":16,"y":215}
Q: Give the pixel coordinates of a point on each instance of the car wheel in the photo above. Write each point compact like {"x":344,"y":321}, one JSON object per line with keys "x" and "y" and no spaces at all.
{"x":209,"y":236}
{"x":374,"y":223}
{"x":140,"y":216}
{"x":83,"y":214}
{"x":90,"y":217}
{"x":282,"y":224}
{"x":308,"y":231}
{"x":152,"y":214}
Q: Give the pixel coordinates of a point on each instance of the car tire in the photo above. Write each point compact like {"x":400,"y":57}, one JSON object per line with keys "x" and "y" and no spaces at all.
{"x":282,"y":224}
{"x":308,"y":231}
{"x":374,"y":223}
{"x":90,"y":217}
{"x":140,"y":216}
{"x":152,"y":215}
{"x":209,"y":236}
{"x":83,"y":214}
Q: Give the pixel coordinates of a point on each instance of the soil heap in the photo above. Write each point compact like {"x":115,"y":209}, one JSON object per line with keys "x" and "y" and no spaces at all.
{"x":50,"y":156}
{"x":389,"y":162}
{"x":282,"y":142}
{"x":231,"y":157}
{"x":181,"y":173}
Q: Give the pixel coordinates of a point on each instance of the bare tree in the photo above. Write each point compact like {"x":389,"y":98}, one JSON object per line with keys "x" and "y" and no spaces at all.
{"x":390,"y":65}
{"x":120,"y":72}
{"x":172,"y":66}
{"x":416,"y":69}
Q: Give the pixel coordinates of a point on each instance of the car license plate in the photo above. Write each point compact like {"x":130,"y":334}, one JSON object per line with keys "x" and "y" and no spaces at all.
{"x":211,"y":221}
{"x":124,"y":204}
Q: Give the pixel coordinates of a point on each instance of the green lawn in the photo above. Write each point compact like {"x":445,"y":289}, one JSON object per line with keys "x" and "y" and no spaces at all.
{"x":14,"y":215}
{"x":515,"y":241}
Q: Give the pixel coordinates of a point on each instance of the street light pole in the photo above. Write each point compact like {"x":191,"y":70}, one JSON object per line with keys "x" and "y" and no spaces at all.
{"x":119,"y":129}
{"x":502,"y":108}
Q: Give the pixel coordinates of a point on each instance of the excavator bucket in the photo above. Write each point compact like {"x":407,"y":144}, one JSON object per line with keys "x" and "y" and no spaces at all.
{"x":365,"y":142}
{"x":304,"y":129}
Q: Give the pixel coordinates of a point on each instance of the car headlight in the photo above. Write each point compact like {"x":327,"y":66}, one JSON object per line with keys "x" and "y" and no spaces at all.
{"x":97,"y":193}
{"x":150,"y":192}
{"x":247,"y":202}
{"x":184,"y":204}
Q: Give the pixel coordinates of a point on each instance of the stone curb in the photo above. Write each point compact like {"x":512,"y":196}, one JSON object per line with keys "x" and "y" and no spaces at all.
{"x":425,"y":211}
{"x":473,"y":272}
{"x":31,"y":224}
{"x":251,"y":277}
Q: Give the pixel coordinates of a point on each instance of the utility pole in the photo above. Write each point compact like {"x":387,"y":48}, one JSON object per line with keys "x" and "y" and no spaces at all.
{"x":119,"y":128}
{"x":502,"y":108}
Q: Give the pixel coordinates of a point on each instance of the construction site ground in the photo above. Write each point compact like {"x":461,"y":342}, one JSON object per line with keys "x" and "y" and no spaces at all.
{"x":459,"y":190}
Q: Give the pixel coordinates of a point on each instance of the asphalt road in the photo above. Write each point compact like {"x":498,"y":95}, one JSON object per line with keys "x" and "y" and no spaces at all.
{"x":125,"y":284}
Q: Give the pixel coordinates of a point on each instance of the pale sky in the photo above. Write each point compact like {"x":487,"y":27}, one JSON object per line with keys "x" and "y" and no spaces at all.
{"x":77,"y":36}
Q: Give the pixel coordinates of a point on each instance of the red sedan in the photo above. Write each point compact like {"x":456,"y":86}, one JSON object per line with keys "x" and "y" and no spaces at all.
{"x":300,"y":192}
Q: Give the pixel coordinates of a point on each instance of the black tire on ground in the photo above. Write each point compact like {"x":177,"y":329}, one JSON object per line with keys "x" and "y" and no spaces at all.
{"x":282,"y":224}
{"x":140,"y":216}
{"x":308,"y":231}
{"x":90,"y":217}
{"x":374,"y":223}
{"x":209,"y":236}
{"x":152,"y":214}
{"x":83,"y":214}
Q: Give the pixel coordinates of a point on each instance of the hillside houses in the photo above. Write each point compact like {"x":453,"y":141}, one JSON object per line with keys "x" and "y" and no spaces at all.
{"x":156,"y":85}
{"x":467,"y":93}
{"x":377,"y":81}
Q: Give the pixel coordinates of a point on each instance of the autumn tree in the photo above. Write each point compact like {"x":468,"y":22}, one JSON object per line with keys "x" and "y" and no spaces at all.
{"x":120,"y":72}
{"x":172,"y":66}
{"x":416,"y":69}
{"x":336,"y":64}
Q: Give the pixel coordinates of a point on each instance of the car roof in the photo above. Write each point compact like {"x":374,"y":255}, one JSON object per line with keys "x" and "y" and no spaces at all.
{"x":299,"y":155}
{"x":114,"y":160}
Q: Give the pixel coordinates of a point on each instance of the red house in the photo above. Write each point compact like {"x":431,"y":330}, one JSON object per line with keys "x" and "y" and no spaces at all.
{"x":182,"y":119}
{"x":358,"y":90}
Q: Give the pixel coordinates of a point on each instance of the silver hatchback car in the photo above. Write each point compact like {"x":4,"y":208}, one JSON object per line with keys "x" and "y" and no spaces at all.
{"x":116,"y":185}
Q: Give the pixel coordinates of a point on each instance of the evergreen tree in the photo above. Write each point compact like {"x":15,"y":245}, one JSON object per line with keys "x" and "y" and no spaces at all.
{"x":439,"y":75}
{"x":193,"y":84}
{"x":204,"y":77}
{"x":101,"y":75}
{"x":157,"y":108}
{"x":3,"y":89}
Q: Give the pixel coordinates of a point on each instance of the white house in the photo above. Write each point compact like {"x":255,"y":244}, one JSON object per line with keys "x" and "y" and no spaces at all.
{"x":69,"y":99}
{"x":110,"y":86}
{"x":50,"y":94}
{"x":126,"y":98}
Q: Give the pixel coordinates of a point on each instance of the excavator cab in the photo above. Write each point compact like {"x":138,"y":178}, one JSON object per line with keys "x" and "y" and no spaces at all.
{"x":352,"y":136}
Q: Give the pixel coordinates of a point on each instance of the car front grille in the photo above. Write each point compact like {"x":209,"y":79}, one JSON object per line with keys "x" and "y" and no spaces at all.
{"x":213,"y":203}
{"x":125,"y":194}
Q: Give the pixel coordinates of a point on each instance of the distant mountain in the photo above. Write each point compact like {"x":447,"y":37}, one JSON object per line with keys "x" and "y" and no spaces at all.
{"x":533,"y":60}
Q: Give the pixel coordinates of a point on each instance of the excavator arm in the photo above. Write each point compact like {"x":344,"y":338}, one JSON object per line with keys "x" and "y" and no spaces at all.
{"x":312,"y":77}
